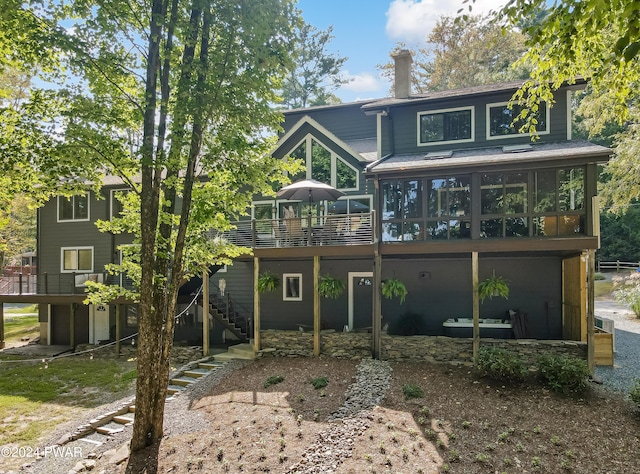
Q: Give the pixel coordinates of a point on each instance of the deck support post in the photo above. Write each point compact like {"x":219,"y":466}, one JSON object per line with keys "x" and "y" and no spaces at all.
{"x":591,"y":321}
{"x":205,"y":313}
{"x":2,"y":343}
{"x":476,"y":306}
{"x":72,"y":325}
{"x":316,"y":306}
{"x":256,"y":304}
{"x":376,"y":324}
{"x":118,"y":330}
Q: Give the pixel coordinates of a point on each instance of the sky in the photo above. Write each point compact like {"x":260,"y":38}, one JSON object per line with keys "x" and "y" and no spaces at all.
{"x":366,"y":32}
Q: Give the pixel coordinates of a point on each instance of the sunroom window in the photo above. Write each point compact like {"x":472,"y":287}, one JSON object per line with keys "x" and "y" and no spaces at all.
{"x":504,"y":205}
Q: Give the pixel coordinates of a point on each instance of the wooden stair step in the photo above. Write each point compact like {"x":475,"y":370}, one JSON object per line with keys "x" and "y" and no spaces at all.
{"x":173,"y":389}
{"x":123,"y":420}
{"x":183,"y":381}
{"x":196,"y":373}
{"x":108,"y":431}
{"x":209,"y":365}
{"x":132,"y":408}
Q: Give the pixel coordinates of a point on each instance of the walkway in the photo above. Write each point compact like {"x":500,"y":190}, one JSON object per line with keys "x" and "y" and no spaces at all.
{"x":626,"y":366}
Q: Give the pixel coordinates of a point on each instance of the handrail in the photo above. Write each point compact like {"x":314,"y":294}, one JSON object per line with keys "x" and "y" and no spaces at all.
{"x":306,"y":231}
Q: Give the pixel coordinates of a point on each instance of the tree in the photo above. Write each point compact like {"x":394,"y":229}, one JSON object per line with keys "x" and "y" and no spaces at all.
{"x":620,"y":235}
{"x":181,"y":119}
{"x":317,"y":73}
{"x":17,"y":229}
{"x":578,"y":38}
{"x":465,"y":52}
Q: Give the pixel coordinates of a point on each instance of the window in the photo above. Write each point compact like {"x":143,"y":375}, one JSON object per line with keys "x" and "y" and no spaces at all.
{"x":504,"y":205}
{"x":77,"y":259}
{"x":430,"y":209}
{"x":559,"y":208}
{"x":131,"y":315}
{"x":503,"y":121}
{"x":74,"y":208}
{"x":324,"y":165}
{"x":445,"y":126}
{"x":449,"y":208}
{"x":116,"y":207}
{"x":292,"y":287}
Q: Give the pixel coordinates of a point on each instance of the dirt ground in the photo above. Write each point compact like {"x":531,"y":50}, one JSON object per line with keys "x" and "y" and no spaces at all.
{"x":463,"y":424}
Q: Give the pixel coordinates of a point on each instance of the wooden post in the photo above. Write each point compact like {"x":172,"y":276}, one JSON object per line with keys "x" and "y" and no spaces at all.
{"x":476,"y":306}
{"x":2,"y":344}
{"x":205,"y":313}
{"x":316,"y":306}
{"x":72,"y":324}
{"x":376,"y":323}
{"x":591,"y":321}
{"x":118,"y":330}
{"x":256,"y":305}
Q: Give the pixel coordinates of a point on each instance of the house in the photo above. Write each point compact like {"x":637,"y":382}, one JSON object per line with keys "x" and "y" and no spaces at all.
{"x":441,"y":192}
{"x":450,"y":192}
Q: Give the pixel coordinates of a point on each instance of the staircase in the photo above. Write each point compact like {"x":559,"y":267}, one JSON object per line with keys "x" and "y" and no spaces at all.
{"x":239,"y":351}
{"x":231,"y":315}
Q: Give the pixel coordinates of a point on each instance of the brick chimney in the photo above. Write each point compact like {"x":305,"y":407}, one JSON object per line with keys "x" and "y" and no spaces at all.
{"x":402,"y":85}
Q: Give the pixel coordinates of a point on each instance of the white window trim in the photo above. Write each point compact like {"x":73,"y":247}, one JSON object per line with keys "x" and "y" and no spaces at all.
{"x":88,"y":218}
{"x":284,"y":286}
{"x":308,"y":146}
{"x":62,"y":250}
{"x":515,"y":135}
{"x":112,"y":197}
{"x":262,"y":203}
{"x":447,"y":142}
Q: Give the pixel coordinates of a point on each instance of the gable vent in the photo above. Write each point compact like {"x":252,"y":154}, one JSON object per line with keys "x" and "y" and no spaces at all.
{"x":517,"y":148}
{"x":434,"y":155}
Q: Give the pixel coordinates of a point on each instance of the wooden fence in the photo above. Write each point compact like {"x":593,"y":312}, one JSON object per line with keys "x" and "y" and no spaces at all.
{"x":617,"y":266}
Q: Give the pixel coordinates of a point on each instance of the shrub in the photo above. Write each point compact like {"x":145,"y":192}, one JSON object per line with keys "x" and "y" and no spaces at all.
{"x":412,"y":391}
{"x":501,"y":364}
{"x":563,"y":374}
{"x":634,"y":394}
{"x":274,"y":379}
{"x":599,"y":277}
{"x":626,"y":290}
{"x":320,"y":382}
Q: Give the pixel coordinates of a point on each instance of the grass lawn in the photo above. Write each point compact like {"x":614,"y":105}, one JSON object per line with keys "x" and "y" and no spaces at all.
{"x":603,"y":288}
{"x":18,"y":327}
{"x":34,"y":397}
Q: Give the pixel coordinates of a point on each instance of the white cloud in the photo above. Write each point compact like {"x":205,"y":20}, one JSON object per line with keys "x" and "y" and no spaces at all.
{"x":363,"y":82}
{"x":411,"y":21}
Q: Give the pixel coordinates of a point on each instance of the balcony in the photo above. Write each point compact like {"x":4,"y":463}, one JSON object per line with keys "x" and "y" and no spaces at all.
{"x":55,"y":283}
{"x":310,"y":231}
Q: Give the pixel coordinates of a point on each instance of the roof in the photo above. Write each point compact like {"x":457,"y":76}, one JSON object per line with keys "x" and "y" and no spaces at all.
{"x":367,"y":148}
{"x":452,"y":93}
{"x":490,"y":156}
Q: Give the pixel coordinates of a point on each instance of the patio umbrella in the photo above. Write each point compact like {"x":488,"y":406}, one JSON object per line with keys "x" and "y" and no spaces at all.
{"x":309,"y":190}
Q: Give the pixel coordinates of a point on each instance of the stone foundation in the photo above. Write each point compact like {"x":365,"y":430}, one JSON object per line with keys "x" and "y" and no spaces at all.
{"x":415,"y":348}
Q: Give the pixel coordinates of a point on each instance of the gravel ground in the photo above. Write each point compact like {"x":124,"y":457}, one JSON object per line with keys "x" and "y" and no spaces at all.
{"x":626,"y":368}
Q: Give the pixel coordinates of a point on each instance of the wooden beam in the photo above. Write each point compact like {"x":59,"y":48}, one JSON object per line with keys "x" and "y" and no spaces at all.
{"x":205,"y":313}
{"x":256,"y":304}
{"x":118,"y":330}
{"x":2,"y":343}
{"x":476,"y":306}
{"x":316,"y":306}
{"x":72,"y":325}
{"x":591,"y":321}
{"x":376,"y":323}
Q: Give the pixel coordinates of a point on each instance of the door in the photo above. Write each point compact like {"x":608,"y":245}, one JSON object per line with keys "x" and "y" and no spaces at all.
{"x":574,"y":298}
{"x":360,"y":300}
{"x":100,"y":324}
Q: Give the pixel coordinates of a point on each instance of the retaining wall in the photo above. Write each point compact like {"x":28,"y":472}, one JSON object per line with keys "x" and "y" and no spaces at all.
{"x":416,"y":348}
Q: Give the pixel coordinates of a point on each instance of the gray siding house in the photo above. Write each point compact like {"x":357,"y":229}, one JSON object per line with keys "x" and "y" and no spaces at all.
{"x":441,"y":192}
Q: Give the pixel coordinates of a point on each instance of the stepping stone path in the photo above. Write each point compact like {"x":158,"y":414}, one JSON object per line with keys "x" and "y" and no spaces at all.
{"x":116,"y":421}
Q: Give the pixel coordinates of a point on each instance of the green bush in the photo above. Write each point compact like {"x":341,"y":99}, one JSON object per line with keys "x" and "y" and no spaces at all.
{"x":412,"y":391}
{"x":320,"y":382}
{"x":274,"y":379}
{"x":599,"y":277}
{"x":501,"y":364}
{"x":634,"y":394}
{"x":563,"y":374}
